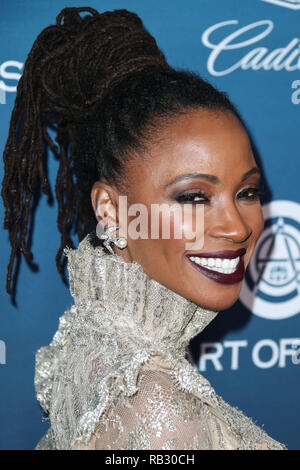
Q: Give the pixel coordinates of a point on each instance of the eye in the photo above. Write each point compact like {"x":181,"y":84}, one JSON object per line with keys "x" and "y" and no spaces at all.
{"x":192,"y":198}
{"x":251,"y":194}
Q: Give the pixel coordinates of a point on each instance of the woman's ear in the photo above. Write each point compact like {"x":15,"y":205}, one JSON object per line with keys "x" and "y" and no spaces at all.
{"x":103,"y":202}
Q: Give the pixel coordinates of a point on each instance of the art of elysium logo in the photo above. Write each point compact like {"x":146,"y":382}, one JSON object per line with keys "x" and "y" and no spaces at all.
{"x":293,"y":4}
{"x":271,"y":287}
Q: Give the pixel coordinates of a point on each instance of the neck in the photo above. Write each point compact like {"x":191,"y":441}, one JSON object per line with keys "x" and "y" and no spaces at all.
{"x":124,"y":299}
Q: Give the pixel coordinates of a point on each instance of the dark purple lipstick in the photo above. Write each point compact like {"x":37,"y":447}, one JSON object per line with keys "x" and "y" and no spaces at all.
{"x":222,"y":278}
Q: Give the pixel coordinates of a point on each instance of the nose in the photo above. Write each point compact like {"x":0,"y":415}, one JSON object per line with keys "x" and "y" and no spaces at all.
{"x":230,"y":224}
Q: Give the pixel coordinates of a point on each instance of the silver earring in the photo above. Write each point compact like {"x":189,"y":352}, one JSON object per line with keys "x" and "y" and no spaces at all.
{"x":107,"y":238}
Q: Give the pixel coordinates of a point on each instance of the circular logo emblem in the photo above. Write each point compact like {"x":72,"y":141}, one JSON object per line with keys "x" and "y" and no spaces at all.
{"x":271,"y":288}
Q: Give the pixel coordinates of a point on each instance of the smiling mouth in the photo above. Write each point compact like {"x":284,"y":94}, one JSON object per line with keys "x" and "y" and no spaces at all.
{"x":225,"y":267}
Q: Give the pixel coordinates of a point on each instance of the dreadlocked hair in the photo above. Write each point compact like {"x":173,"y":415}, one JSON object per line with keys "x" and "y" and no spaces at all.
{"x":102,"y":83}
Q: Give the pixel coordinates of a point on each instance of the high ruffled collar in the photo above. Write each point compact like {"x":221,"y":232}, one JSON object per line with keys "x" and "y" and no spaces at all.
{"x":130,"y":299}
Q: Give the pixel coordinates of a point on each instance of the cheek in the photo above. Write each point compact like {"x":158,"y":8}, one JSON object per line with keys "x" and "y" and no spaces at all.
{"x":258,"y":222}
{"x":187,"y":226}
{"x":255,"y":221}
{"x":252,"y":217}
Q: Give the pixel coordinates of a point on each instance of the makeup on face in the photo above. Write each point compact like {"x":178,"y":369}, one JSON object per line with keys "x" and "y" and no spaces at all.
{"x":202,"y":164}
{"x":222,"y":266}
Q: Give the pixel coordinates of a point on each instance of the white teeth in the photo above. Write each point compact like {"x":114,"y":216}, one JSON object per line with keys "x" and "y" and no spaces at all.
{"x":226,"y":263}
{"x":221,"y":265}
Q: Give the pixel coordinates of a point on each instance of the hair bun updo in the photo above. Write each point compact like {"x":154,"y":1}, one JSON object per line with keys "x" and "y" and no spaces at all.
{"x":80,"y":58}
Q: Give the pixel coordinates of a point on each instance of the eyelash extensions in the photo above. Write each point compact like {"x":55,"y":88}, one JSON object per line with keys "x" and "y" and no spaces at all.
{"x":189,"y":198}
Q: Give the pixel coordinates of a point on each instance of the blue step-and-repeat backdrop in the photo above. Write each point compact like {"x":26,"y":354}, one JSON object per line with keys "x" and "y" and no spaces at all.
{"x":251,"y":352}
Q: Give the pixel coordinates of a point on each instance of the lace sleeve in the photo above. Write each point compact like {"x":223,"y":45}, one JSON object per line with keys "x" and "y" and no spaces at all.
{"x":159,"y":417}
{"x":162,"y":416}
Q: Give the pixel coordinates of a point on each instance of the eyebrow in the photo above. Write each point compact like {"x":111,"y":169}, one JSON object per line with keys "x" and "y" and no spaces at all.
{"x":251,"y":172}
{"x":211,"y":178}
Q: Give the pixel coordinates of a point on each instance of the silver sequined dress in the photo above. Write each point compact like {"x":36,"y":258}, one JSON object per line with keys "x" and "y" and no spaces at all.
{"x":115,"y":375}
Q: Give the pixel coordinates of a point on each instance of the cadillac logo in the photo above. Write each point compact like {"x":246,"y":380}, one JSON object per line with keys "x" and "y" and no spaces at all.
{"x":292,"y":4}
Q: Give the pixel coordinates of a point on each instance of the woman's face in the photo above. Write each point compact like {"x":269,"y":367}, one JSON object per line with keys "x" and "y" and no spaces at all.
{"x":201,"y":159}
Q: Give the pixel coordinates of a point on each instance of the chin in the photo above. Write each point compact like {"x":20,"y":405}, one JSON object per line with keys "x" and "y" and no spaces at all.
{"x":216,"y":306}
{"x":218,"y":302}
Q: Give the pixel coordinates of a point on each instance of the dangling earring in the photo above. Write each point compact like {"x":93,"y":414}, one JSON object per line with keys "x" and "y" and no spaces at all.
{"x":120,"y":242}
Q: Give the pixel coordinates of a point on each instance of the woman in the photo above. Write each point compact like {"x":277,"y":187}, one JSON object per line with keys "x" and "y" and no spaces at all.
{"x":129,"y":126}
